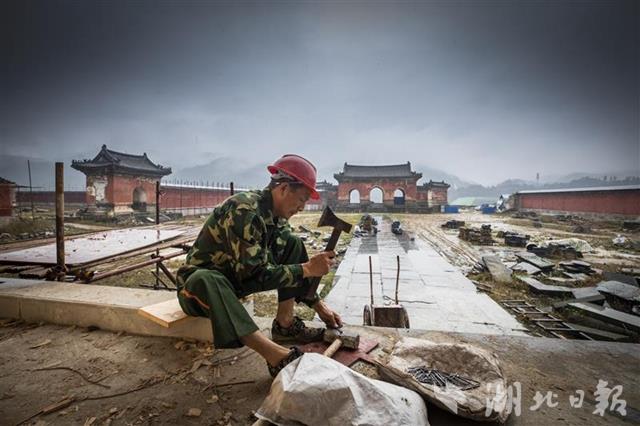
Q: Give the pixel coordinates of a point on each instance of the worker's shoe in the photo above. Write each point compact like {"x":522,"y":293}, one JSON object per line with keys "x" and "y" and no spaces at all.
{"x":294,"y":354}
{"x":297,"y":331}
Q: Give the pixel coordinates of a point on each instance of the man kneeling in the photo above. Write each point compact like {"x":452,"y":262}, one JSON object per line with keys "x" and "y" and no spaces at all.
{"x":246,"y":246}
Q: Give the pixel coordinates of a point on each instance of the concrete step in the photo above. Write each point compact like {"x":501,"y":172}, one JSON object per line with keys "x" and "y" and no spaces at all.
{"x":109,"y":308}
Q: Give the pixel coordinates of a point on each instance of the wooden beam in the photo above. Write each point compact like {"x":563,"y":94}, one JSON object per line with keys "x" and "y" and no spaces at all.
{"x":166,"y":314}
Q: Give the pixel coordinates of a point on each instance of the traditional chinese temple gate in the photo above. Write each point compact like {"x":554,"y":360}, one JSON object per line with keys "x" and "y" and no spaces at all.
{"x":359,"y":189}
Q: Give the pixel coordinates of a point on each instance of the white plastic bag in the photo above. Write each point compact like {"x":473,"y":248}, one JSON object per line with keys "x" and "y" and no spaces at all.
{"x":488,"y":402}
{"x":316,"y":390}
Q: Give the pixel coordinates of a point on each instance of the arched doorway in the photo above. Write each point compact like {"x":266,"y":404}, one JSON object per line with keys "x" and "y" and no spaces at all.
{"x":139,"y":199}
{"x":354,"y":196}
{"x":376,"y":196}
{"x":398,"y":197}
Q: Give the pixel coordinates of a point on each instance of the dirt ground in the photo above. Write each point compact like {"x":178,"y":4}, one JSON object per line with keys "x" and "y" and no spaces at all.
{"x":98,"y":377}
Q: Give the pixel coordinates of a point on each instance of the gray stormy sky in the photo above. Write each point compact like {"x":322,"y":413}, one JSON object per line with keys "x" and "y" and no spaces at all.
{"x":485,"y":90}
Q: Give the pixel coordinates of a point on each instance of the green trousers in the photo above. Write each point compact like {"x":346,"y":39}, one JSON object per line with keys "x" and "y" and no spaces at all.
{"x":209,"y":293}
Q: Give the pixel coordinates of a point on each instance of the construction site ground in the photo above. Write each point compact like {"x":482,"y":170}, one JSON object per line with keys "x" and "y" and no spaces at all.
{"x":103,"y":377}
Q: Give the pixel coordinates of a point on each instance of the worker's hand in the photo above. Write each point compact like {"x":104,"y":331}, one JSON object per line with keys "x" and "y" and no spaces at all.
{"x":329,"y":316}
{"x":319,"y":264}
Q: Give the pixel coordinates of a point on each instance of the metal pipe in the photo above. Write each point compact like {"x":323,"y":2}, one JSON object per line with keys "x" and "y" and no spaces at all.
{"x":135,"y":266}
{"x":31,"y":191}
{"x":60,"y":219}
{"x":167,"y":272}
{"x":124,"y":256}
{"x":371,"y":280}
{"x":157,"y":284}
{"x":397,"y":278}
{"x":157,"y":202}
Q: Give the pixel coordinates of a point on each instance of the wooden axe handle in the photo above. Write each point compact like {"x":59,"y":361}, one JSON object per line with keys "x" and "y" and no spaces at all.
{"x":331,"y":245}
{"x":333,"y":348}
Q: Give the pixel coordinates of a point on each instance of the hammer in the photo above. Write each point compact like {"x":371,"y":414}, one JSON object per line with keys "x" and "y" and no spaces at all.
{"x":328,"y":218}
{"x":338,"y":338}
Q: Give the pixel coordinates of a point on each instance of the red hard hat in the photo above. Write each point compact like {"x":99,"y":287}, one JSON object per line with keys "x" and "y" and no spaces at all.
{"x":298,"y":168}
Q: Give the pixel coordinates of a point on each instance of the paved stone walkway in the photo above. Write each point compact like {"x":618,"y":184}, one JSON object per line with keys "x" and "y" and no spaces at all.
{"x":436,"y":295}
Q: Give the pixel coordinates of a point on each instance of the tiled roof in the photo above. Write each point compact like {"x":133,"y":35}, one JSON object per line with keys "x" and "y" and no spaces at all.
{"x":6,"y":181}
{"x":120,"y":161}
{"x":434,"y":184}
{"x":393,"y":170}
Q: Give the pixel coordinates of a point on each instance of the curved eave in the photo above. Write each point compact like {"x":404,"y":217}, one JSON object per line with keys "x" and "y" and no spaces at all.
{"x":87,"y":168}
{"x":345,"y":178}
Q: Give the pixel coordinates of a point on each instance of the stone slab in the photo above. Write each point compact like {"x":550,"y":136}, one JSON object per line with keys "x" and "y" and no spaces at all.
{"x":526,"y":267}
{"x":92,"y":247}
{"x":591,"y":299}
{"x":587,"y":292}
{"x":436,"y":295}
{"x":498,"y":271}
{"x":536,"y":261}
{"x":609,"y":315}
{"x":623,"y":278}
{"x":538,"y":287}
{"x":108,"y":308}
{"x":599,"y":334}
{"x":620,"y":290}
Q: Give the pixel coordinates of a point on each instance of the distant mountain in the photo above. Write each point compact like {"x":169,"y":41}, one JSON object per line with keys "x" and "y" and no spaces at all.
{"x":430,"y":173}
{"x":223,"y":170}
{"x":14,"y":168}
{"x":618,"y":175}
{"x":514,"y":185}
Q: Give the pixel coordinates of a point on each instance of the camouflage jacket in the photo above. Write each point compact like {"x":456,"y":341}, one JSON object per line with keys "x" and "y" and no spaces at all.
{"x":241,"y":238}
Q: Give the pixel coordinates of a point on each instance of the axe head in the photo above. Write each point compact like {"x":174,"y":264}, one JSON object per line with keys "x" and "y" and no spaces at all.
{"x":328,"y":218}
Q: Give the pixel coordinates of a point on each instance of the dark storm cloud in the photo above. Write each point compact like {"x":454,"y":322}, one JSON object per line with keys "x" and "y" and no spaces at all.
{"x":515,"y":87}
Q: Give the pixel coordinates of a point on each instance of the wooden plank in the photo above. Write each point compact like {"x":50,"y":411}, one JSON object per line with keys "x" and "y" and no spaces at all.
{"x":166,"y":314}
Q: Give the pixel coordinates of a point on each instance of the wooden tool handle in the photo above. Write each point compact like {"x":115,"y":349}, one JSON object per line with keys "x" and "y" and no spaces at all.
{"x":333,"y":348}
{"x":331,"y":245}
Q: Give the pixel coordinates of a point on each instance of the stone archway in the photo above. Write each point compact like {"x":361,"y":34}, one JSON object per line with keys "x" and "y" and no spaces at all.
{"x":398,"y":197}
{"x":139,"y":199}
{"x":376,"y":195}
{"x":354,"y":196}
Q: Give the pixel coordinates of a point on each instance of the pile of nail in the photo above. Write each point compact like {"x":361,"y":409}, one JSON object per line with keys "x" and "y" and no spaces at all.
{"x":439,"y":378}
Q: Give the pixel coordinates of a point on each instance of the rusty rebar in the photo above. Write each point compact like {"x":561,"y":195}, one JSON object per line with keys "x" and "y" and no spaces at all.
{"x":60,"y":257}
{"x":397,"y":278}
{"x":129,"y":268}
{"x":371,"y":280}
